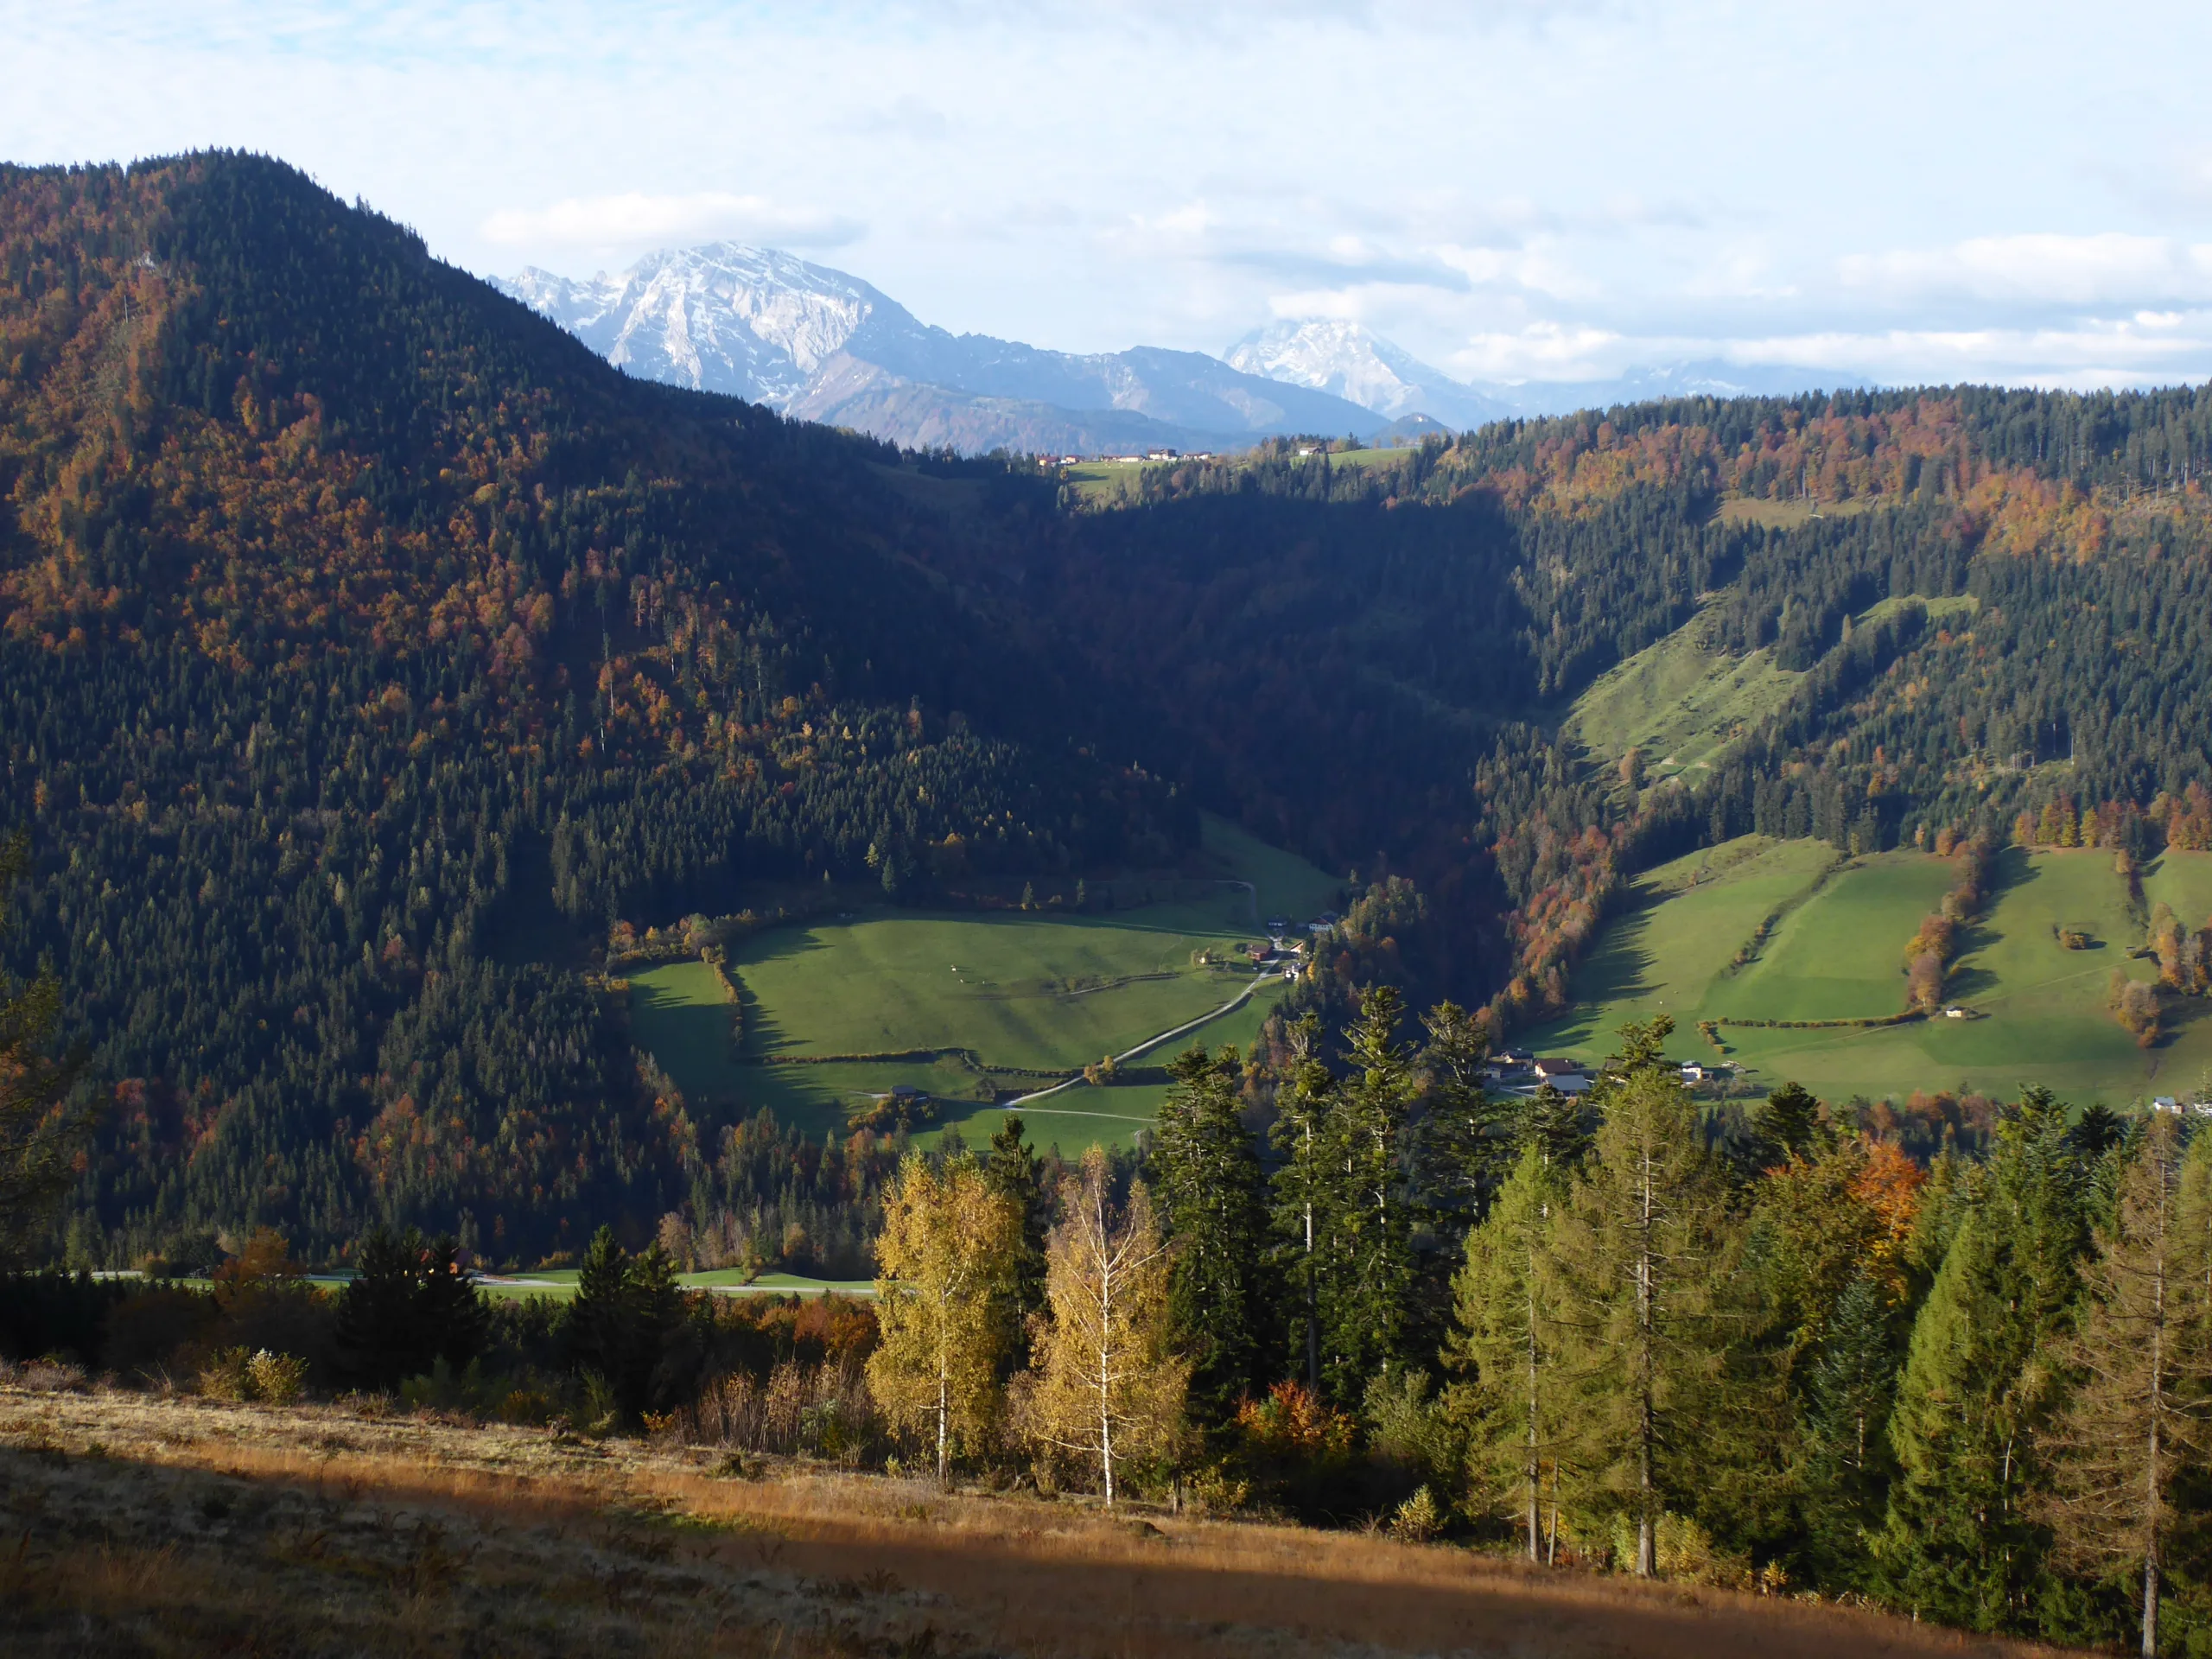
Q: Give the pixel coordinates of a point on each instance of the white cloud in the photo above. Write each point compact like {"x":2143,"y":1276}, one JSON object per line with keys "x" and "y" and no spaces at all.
{"x":1536,"y":267}
{"x":1541,"y":350}
{"x":2112,"y":268}
{"x":635,"y":220}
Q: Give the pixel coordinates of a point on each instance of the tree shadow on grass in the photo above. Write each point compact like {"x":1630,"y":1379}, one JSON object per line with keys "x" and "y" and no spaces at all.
{"x":1620,"y":972}
{"x":1968,"y":979}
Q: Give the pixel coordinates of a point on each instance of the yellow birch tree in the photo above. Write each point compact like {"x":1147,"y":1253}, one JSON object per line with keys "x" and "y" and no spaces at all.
{"x":1104,"y":1387}
{"x":945,"y":1262}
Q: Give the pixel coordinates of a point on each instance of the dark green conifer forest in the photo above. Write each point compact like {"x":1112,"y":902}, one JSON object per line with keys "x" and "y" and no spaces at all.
{"x":370,"y":648}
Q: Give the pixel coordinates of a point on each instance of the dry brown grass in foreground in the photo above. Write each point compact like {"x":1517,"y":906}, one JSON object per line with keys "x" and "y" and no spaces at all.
{"x":135,"y":1525}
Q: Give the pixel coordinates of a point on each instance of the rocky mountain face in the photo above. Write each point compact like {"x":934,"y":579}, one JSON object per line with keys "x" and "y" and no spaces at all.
{"x":1349,"y":361}
{"x":822,"y":346}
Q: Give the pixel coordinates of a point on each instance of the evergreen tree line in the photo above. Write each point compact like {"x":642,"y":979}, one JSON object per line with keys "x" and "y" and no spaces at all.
{"x":1974,"y":1391}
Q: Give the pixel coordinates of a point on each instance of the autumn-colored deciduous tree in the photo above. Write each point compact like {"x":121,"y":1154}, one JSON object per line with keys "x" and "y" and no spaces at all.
{"x":946,"y":1260}
{"x":1105,"y":1387}
{"x":2137,"y":1421}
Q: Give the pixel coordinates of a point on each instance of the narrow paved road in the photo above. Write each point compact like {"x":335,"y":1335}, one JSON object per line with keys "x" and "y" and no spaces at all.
{"x":1150,"y":1042}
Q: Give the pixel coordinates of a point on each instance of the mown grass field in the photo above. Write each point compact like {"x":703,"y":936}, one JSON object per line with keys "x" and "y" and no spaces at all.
{"x":998,"y":996}
{"x":1680,"y":703}
{"x":1837,"y":952}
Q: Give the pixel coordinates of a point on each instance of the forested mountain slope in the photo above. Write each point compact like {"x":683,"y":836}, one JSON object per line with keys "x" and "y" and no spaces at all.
{"x":353,"y":614}
{"x":1501,"y":574}
{"x":337,"y":586}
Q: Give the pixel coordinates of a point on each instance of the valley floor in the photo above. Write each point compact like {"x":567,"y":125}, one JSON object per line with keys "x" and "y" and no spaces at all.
{"x":171,"y":1526}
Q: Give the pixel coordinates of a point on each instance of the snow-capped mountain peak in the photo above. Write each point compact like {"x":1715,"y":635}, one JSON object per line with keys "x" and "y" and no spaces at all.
{"x":1350,"y":361}
{"x":817,"y":344}
{"x":724,"y":317}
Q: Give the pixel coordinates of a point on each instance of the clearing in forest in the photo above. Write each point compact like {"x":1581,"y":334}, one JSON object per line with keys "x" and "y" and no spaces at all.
{"x":966,"y":1006}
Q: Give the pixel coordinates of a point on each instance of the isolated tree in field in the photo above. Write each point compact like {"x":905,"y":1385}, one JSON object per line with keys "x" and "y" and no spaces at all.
{"x":1640,"y":1257}
{"x":945,"y":1262}
{"x":1107,"y":1386}
{"x":2136,"y":1421}
{"x":41,"y":1127}
{"x":1212,"y":1198}
{"x":1507,"y":1332}
{"x":1980,"y":1385}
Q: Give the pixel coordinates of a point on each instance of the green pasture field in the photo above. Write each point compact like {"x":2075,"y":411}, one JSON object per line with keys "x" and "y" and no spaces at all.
{"x":559,"y":1284}
{"x":997,"y":995}
{"x":2182,"y":882}
{"x":1672,"y":946}
{"x":1838,"y":952}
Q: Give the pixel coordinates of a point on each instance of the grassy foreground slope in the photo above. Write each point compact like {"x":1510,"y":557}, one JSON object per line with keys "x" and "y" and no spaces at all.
{"x":1834,"y":950}
{"x":978,"y":1002}
{"x":182,"y":1527}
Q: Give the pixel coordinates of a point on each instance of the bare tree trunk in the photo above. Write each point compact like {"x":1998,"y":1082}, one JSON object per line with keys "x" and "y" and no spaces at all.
{"x":944,"y":1423}
{"x":1106,"y":1261}
{"x":2151,"y":1606}
{"x":1647,"y":1551}
{"x":1312,"y":1311}
{"x":1534,"y":1469}
{"x":2151,"y":1542}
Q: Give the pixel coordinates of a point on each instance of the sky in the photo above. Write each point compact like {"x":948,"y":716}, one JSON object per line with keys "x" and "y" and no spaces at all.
{"x":1509,"y":189}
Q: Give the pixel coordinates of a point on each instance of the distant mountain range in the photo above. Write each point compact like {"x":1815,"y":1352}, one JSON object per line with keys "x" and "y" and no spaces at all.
{"x":819,"y":345}
{"x":1329,"y":354}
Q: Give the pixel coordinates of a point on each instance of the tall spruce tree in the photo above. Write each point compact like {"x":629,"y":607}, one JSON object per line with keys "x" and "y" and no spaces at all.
{"x":1464,"y":1144}
{"x":1786,"y":1123}
{"x":1640,"y":1261}
{"x":2136,"y":1422}
{"x":1844,"y":1473}
{"x":1507,"y":1332}
{"x":626,"y":1311}
{"x":1013,"y":1171}
{"x":408,"y":1305}
{"x":1367,"y":1277}
{"x":1960,"y":1542}
{"x":1305,"y":1101}
{"x":1212,"y":1196}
